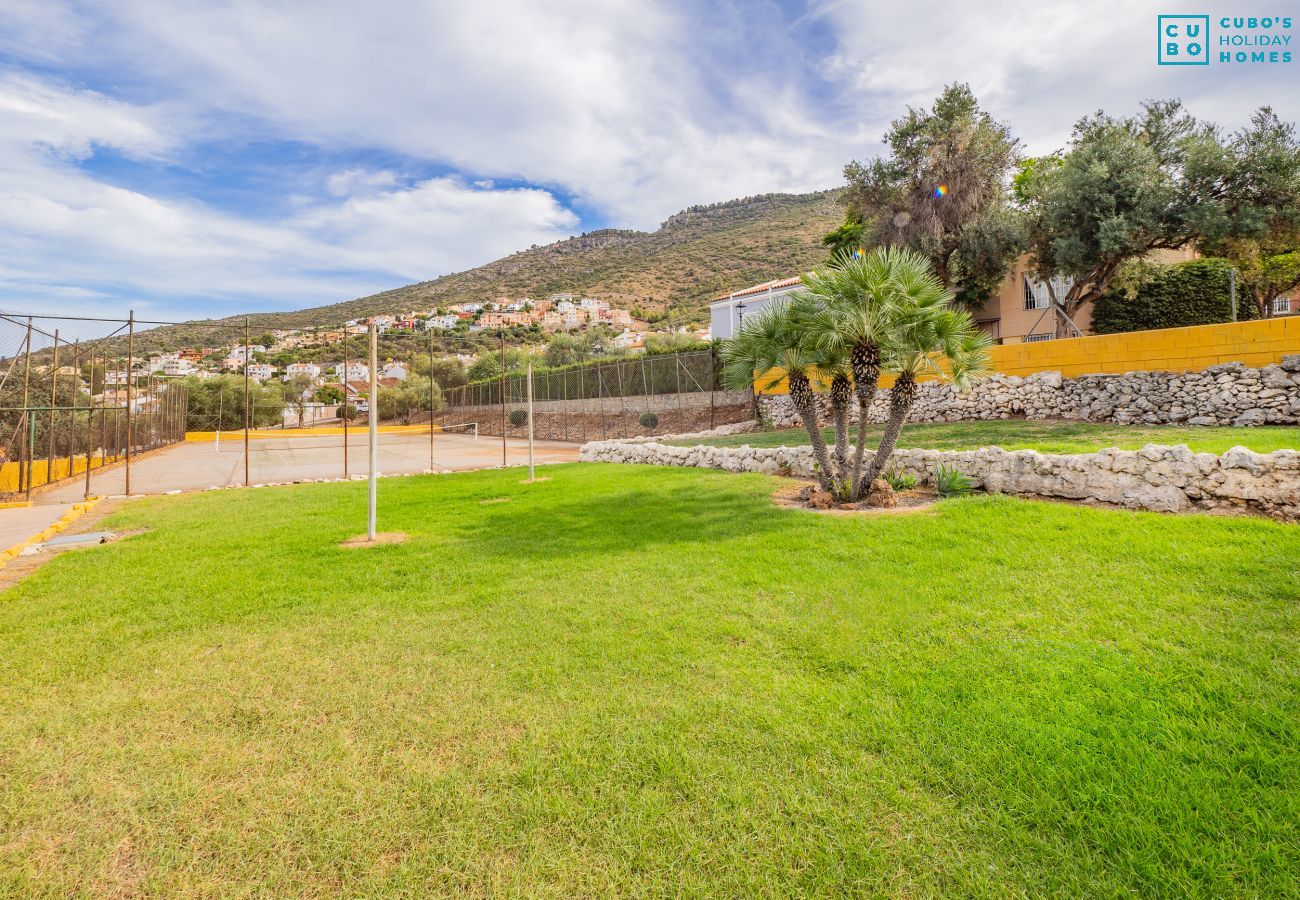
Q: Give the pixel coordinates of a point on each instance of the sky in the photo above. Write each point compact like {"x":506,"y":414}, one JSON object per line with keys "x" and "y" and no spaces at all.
{"x":188,"y":160}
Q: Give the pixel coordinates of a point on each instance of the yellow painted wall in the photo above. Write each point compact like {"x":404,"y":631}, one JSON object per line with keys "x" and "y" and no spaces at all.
{"x":41,"y":475}
{"x":1255,"y":344}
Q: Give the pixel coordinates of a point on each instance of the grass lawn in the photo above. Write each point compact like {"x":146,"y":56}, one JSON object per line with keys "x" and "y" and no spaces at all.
{"x":629,"y":680}
{"x":1047,"y":436}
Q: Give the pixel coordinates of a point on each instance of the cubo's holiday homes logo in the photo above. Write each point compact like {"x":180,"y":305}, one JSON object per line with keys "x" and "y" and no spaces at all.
{"x":1186,"y":40}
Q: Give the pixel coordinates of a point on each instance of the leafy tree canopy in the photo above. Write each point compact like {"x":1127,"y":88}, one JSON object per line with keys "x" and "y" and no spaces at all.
{"x":941,"y":192}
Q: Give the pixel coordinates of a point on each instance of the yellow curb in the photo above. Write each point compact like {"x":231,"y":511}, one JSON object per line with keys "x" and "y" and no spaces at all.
{"x":76,"y":512}
{"x":15,"y":504}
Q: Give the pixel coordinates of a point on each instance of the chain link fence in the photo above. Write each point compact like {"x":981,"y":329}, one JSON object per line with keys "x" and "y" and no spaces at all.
{"x":639,"y":396}
{"x":96,"y":406}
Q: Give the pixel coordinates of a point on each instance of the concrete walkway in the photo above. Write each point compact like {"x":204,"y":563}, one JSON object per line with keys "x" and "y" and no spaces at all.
{"x":197,"y":466}
{"x":19,"y":524}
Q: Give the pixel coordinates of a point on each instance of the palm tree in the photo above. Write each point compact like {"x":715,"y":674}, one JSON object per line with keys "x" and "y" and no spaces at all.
{"x":771,"y":344}
{"x":929,"y":337}
{"x":858,"y":300}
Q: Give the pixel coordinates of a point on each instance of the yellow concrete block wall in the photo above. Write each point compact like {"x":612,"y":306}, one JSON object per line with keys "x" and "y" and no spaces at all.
{"x":1255,"y":344}
{"x":41,"y":474}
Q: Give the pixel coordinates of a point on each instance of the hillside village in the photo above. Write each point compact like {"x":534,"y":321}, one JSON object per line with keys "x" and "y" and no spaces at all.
{"x":312,"y":362}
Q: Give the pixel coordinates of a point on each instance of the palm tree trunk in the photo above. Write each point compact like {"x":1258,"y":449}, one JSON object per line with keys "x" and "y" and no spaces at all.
{"x":901,"y":397}
{"x":841,"y":395}
{"x":805,"y":403}
{"x":864,"y":361}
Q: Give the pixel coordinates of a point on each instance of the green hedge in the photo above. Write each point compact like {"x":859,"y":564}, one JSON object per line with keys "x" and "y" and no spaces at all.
{"x":1190,"y":293}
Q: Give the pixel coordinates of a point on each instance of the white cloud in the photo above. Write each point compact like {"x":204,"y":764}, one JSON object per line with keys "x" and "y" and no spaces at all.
{"x":70,"y":240}
{"x":634,"y":108}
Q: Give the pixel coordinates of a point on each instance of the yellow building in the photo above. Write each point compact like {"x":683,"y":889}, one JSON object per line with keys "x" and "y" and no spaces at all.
{"x":1020,"y":312}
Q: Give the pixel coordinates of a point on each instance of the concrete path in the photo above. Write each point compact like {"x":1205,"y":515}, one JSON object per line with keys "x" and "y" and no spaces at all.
{"x":17,"y":525}
{"x":198,"y":466}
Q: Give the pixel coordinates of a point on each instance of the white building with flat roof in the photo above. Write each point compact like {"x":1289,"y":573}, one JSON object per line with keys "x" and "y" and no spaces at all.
{"x":726,"y":313}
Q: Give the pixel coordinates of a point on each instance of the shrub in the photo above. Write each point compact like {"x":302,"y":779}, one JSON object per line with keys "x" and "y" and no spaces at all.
{"x":518,"y":417}
{"x":951,"y":483}
{"x":900,"y":481}
{"x":649,"y":420}
{"x":347,"y":411}
{"x":1189,"y":293}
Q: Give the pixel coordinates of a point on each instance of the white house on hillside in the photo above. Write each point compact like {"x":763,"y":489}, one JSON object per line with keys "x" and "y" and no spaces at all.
{"x":396,"y":370}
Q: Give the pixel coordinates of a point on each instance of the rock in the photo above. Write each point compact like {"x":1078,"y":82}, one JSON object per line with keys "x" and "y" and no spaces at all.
{"x":1291,"y":362}
{"x":821,"y":500}
{"x":1251,"y":417}
{"x":881,"y":495}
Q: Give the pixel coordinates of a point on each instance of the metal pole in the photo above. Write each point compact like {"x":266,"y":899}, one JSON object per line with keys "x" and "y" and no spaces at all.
{"x":530,"y":420}
{"x":31,"y":450}
{"x":373,"y":410}
{"x":247,"y":362}
{"x":712,"y":382}
{"x":90,"y":411}
{"x":1232,"y":291}
{"x":345,"y":401}
{"x":430,"y":398}
{"x":503,"y":398}
{"x":130,"y":394}
{"x":72,"y":416}
{"x":27,"y":415}
{"x":54,"y":383}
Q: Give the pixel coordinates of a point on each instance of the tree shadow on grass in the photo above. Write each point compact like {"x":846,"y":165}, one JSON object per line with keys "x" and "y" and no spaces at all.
{"x":631,"y":516}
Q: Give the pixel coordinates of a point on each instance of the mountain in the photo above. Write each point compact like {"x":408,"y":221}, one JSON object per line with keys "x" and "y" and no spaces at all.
{"x":694,"y":256}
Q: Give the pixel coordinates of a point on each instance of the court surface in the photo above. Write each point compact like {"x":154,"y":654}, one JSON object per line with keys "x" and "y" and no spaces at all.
{"x":201,"y":465}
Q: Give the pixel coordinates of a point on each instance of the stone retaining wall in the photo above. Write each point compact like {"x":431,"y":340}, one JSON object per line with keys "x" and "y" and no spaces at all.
{"x":1226,"y":394}
{"x":1169,"y":479}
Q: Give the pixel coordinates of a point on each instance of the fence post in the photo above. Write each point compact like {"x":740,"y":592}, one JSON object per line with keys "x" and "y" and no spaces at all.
{"x":54,"y":383}
{"x":677,"y":371}
{"x":503,"y":398}
{"x":622,"y":401}
{"x":373,"y":418}
{"x":530,"y":420}
{"x":247,"y":362}
{"x":72,"y":415}
{"x":600,"y":397}
{"x":712,"y":382}
{"x":31,"y":451}
{"x":27,"y":415}
{"x":130,"y":394}
{"x":344,"y":379}
{"x":430,"y":397}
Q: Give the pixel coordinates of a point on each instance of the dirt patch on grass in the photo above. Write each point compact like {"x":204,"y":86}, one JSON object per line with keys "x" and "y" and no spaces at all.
{"x":494,"y":500}
{"x":383,"y":537}
{"x":797,"y":495}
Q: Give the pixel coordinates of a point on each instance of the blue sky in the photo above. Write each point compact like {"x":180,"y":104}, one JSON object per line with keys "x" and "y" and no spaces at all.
{"x":204,"y":159}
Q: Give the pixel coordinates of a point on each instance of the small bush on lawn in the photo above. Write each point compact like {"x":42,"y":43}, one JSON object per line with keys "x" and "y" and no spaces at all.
{"x":518,"y":417}
{"x":951,"y":483}
{"x":900,"y":481}
{"x":649,"y":420}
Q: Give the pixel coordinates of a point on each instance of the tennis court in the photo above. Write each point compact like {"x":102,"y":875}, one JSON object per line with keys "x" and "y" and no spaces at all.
{"x":302,"y":456}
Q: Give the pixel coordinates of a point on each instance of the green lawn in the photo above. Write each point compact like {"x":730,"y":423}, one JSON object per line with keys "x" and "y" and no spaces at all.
{"x":632,"y":681}
{"x":1047,"y":436}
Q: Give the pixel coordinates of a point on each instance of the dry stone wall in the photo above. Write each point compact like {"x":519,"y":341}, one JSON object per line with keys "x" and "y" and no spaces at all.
{"x":1170,"y":479}
{"x":1226,"y":394}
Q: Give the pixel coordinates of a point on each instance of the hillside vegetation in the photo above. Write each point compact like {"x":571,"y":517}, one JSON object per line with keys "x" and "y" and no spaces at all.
{"x":694,"y":256}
